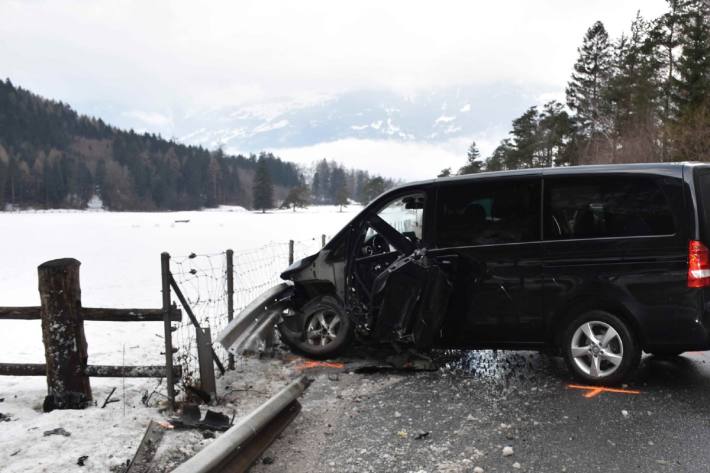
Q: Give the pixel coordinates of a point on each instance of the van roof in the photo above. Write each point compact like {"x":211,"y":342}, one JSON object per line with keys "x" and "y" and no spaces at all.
{"x":674,"y":169}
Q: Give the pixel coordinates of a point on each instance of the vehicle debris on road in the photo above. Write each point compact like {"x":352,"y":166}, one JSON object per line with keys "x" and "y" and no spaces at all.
{"x":57,"y":431}
{"x":190,"y":419}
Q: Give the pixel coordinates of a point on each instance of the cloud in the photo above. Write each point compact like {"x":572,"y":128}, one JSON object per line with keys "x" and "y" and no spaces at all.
{"x":195,"y":54}
{"x":406,"y":160}
{"x":152,"y":119}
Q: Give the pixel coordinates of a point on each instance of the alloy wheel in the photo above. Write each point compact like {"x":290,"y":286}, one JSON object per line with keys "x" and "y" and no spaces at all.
{"x":322,"y":328}
{"x":597,"y":349}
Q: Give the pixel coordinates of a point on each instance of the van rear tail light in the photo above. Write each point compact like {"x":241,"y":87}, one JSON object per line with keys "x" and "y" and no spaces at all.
{"x":698,"y":264}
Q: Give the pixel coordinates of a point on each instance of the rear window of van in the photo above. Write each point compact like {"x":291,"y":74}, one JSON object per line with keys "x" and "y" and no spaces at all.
{"x":605,"y":206}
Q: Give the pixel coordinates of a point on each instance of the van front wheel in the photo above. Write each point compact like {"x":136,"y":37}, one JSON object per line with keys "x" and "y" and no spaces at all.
{"x":600,"y":349}
{"x":325,"y":329}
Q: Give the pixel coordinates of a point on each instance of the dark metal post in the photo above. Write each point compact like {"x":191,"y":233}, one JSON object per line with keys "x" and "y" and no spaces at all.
{"x":165,"y":274}
{"x":230,"y":297}
{"x":290,"y":252}
{"x":322,"y":238}
{"x":204,"y":358}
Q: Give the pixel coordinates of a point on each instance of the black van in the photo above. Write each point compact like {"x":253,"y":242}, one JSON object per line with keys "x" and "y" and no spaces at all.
{"x":595,"y":262}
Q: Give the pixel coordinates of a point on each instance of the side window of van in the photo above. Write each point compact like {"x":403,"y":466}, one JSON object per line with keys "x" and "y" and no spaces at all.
{"x":488,"y":212}
{"x":605,"y":206}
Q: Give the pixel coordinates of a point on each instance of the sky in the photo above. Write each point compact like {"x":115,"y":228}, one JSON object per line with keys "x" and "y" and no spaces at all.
{"x":151,"y":63}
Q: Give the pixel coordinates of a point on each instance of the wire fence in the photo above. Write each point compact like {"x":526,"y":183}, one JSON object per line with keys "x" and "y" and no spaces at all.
{"x":203,"y":281}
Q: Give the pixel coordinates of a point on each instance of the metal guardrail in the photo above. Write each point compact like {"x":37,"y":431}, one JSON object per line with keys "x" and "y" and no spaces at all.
{"x":237,"y":448}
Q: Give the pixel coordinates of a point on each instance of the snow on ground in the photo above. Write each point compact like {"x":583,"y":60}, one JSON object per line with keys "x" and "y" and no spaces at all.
{"x":120,"y":256}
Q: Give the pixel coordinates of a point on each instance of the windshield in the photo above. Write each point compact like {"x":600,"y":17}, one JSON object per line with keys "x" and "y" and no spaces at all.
{"x":405,"y":215}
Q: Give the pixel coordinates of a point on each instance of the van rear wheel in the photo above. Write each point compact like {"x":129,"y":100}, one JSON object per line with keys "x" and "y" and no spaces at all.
{"x":600,"y":348}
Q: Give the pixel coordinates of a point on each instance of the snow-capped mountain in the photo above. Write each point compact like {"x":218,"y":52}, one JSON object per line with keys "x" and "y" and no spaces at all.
{"x":432,"y":117}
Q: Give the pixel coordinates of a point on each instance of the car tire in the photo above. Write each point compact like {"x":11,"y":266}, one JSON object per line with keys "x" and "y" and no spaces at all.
{"x":600,"y":348}
{"x":324,"y":329}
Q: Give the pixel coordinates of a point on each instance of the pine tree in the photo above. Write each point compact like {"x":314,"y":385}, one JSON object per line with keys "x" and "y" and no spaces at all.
{"x":337,"y":184}
{"x":634,"y":94}
{"x":473,"y":164}
{"x":361,"y":178}
{"x":538,"y":139}
{"x":555,"y":132}
{"x":320,"y":194}
{"x":373,"y":188}
{"x":341,"y":197}
{"x":690,"y":128}
{"x":585,"y":91}
{"x":263,"y":192}
{"x":525,"y":140}
{"x":665,"y":40}
{"x":501,"y":159}
{"x":692,"y":85}
{"x":316,"y":186}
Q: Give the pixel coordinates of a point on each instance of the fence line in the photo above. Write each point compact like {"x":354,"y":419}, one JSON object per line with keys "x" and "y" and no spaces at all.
{"x":66,"y":368}
{"x":205,"y":279}
{"x":211,"y":288}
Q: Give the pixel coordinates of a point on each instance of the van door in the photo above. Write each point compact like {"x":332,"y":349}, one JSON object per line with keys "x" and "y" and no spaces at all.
{"x":493,"y":227}
{"x":404,"y":292}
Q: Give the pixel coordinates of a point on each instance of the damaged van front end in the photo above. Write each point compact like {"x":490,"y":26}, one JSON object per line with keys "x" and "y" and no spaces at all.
{"x":374,"y":279}
{"x":307,"y":309}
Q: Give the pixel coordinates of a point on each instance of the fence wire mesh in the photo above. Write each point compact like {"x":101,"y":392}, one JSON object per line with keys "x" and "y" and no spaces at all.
{"x":203,"y":281}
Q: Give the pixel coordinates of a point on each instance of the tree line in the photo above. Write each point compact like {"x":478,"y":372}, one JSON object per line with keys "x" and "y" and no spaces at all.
{"x":643,"y":97}
{"x":51,"y":157}
{"x":331,"y":184}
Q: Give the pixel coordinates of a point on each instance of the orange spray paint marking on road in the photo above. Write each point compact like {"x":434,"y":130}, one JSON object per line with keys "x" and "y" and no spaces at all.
{"x":596,"y":390}
{"x":319,"y":364}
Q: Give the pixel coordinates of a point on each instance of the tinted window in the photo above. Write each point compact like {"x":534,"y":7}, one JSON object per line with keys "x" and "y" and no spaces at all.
{"x":605,"y":206}
{"x":488,"y":212}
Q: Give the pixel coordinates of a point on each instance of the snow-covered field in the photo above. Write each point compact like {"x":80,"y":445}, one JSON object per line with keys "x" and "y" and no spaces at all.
{"x":120,"y":256}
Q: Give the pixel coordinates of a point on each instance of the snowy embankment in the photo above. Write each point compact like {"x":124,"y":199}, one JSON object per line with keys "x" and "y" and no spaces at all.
{"x":120,"y":256}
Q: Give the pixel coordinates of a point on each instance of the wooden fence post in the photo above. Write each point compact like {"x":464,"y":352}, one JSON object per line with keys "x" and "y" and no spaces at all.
{"x":322,"y":240}
{"x":290,"y":252}
{"x":65,"y":347}
{"x":230,"y":297}
{"x":167,"y":325}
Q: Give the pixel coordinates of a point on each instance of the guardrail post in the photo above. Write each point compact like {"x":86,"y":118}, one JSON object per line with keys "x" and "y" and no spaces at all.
{"x":230,"y":298}
{"x":168,"y":328}
{"x":65,"y":347}
{"x":204,"y":358}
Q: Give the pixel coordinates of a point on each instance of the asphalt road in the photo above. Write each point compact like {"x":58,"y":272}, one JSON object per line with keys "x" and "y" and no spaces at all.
{"x":461,"y":417}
